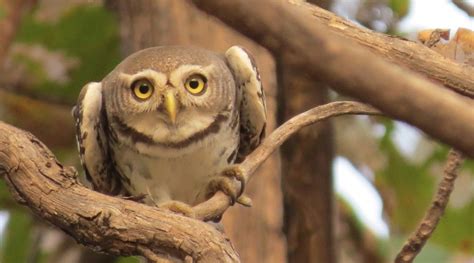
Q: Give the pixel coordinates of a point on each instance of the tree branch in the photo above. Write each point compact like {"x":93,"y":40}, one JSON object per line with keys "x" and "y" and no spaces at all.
{"x":418,"y":239}
{"x":412,"y":55}
{"x":101,"y":222}
{"x":351,"y":69}
{"x":220,"y":202}
{"x":466,"y":7}
{"x":116,"y":226}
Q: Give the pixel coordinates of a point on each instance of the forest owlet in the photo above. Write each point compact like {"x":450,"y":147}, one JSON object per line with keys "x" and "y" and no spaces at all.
{"x":167,"y":120}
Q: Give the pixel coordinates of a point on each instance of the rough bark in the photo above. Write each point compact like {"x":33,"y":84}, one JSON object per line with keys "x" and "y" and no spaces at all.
{"x":313,"y":49}
{"x":105,"y":223}
{"x":147,"y":23}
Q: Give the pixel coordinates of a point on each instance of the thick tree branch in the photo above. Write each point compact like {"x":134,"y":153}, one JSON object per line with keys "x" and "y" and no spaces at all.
{"x":412,"y":55}
{"x":351,"y":69}
{"x":418,"y":239}
{"x":101,"y":222}
{"x":220,"y":202}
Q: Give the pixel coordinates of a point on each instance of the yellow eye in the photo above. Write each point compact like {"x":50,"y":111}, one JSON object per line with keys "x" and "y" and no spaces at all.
{"x":196,"y":84}
{"x":142,"y":89}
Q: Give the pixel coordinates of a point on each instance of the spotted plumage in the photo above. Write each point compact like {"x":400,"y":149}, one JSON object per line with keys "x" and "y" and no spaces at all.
{"x":167,"y":120}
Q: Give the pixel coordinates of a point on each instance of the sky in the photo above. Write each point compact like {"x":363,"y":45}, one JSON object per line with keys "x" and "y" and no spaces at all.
{"x":348,"y":182}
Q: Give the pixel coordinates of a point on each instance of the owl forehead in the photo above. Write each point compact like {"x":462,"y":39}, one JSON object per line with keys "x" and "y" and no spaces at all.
{"x":168,"y":59}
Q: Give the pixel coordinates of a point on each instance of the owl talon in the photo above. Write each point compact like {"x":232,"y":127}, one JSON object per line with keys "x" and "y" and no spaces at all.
{"x":224,"y":184}
{"x":178,"y":207}
{"x":236,"y":172}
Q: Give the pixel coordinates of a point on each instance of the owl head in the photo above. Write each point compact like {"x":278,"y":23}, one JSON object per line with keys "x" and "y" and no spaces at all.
{"x":169,"y":93}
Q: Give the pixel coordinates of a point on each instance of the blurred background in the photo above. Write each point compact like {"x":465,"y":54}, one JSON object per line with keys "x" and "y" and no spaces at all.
{"x":383,"y":173}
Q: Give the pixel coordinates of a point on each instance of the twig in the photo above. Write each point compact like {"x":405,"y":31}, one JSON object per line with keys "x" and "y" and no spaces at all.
{"x":350,"y":69}
{"x":220,"y":202}
{"x":466,"y":7}
{"x":418,"y":239}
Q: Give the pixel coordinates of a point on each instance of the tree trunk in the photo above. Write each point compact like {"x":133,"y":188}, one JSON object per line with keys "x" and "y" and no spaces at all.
{"x":255,"y":232}
{"x":306,"y":173}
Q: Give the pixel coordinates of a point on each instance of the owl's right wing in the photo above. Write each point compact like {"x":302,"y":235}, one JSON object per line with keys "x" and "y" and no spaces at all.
{"x":92,"y":139}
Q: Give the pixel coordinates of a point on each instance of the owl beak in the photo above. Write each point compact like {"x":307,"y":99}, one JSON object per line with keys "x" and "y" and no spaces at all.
{"x":171,"y":106}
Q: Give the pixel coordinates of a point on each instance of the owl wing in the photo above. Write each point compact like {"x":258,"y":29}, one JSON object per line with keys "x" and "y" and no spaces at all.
{"x":92,"y":140}
{"x":253,"y":115}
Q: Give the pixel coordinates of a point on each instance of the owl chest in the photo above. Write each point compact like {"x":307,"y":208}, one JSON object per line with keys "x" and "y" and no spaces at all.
{"x":183,"y":178}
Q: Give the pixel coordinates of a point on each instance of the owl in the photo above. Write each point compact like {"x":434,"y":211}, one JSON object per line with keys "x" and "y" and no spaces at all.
{"x":167,"y":121}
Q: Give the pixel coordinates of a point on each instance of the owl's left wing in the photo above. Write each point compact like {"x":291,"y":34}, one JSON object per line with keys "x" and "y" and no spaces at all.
{"x":92,"y":139}
{"x":253,"y":115}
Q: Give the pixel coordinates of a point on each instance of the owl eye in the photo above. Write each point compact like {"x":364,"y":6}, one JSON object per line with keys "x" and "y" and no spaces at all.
{"x":142,"y":89}
{"x":196,"y":84}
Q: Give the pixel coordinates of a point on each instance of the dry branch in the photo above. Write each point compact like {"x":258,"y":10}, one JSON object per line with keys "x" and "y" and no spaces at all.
{"x":116,"y":226}
{"x":101,"y":222}
{"x":412,"y":55}
{"x":418,"y":239}
{"x":464,"y":6}
{"x":350,"y":68}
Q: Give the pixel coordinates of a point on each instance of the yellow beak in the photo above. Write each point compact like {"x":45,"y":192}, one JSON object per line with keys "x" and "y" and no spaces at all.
{"x":171,"y":106}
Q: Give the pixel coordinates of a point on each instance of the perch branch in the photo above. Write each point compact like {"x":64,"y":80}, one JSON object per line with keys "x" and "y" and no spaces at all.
{"x":220,"y":202}
{"x":101,"y":222}
{"x":116,"y":226}
{"x":418,"y":239}
{"x":351,"y":69}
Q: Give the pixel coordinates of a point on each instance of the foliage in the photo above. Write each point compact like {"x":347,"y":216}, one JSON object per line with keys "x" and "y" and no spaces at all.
{"x":86,"y":33}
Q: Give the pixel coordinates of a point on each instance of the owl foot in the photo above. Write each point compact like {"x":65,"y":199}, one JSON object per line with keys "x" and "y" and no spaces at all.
{"x":178,"y":207}
{"x":226,"y":182}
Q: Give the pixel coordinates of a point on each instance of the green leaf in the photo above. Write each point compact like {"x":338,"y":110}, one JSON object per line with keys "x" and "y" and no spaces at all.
{"x":87,"y":33}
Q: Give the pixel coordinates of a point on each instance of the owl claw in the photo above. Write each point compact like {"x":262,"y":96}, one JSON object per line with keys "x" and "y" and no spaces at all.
{"x":226,"y":182}
{"x":178,"y":207}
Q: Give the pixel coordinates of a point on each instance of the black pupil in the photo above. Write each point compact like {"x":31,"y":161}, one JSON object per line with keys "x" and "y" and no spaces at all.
{"x":144,"y":88}
{"x":194,"y":84}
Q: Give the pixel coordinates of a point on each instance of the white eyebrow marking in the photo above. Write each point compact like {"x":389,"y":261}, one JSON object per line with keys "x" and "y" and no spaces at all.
{"x":179,"y":75}
{"x":159,"y":79}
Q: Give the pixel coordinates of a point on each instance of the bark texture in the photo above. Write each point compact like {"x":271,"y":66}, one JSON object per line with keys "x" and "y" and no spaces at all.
{"x":116,"y":226}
